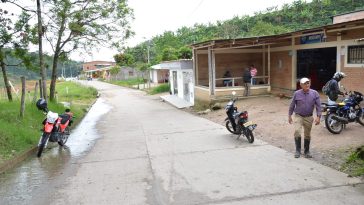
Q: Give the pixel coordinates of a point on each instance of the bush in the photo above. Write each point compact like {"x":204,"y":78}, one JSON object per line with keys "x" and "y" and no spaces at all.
{"x":159,"y":89}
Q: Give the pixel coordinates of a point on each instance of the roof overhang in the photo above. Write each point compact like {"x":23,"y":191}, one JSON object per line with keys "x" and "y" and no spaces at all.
{"x":256,"y":41}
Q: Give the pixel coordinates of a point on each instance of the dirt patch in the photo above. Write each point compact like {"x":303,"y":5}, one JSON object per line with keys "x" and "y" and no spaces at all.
{"x":271,"y":115}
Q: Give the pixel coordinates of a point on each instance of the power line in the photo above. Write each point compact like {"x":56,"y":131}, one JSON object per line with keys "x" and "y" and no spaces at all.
{"x":196,"y":7}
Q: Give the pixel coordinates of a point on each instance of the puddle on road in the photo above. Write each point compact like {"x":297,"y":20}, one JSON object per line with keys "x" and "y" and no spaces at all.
{"x":35,"y":180}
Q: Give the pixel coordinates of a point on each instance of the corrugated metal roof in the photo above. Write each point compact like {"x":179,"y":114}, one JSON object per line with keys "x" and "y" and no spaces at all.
{"x":261,"y":40}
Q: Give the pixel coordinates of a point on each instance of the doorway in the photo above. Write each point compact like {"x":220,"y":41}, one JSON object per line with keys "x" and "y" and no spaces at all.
{"x":175,"y":84}
{"x":317,"y":64}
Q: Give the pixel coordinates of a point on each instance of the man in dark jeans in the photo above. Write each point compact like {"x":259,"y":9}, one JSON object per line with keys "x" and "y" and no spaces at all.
{"x":247,"y":80}
{"x":303,"y":103}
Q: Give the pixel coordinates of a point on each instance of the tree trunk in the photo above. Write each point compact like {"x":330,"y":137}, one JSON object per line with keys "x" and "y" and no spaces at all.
{"x":6,"y":81}
{"x":35,"y":92}
{"x":22,"y":102}
{"x":52,"y":89}
{"x":43,"y":71}
{"x":40,"y":88}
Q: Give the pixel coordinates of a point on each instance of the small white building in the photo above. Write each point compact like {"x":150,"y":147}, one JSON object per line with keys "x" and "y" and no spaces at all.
{"x":181,"y":79}
{"x":158,"y":74}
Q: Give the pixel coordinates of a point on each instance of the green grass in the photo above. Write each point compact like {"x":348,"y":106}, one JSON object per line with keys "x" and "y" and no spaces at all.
{"x":75,"y":93}
{"x":354,"y":164}
{"x":127,"y":83}
{"x":20,"y":134}
{"x":201,"y":106}
{"x":159,"y":89}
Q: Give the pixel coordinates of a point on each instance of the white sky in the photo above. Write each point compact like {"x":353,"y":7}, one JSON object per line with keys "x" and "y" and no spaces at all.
{"x":154,"y":17}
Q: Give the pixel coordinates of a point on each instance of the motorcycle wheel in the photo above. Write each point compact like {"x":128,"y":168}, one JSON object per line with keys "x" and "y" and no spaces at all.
{"x":229,"y":127}
{"x":332,"y":125}
{"x":361,"y":118}
{"x":64,"y":137}
{"x":249,"y":135}
{"x":42,"y":144}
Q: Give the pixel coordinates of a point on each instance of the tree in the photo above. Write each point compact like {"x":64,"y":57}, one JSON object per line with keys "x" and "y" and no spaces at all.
{"x":72,"y":25}
{"x":124,"y":59}
{"x":13,"y":42}
{"x":169,"y":54}
{"x":43,"y":71}
{"x":114,"y":70}
{"x":184,"y":53}
{"x":264,"y":29}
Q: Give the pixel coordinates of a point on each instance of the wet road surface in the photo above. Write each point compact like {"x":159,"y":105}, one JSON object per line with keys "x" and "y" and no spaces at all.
{"x":35,"y":179}
{"x":152,"y":153}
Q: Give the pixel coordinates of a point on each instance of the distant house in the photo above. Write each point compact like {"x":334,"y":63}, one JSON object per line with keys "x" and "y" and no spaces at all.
{"x":97,"y":69}
{"x":126,"y":73}
{"x":158,"y":74}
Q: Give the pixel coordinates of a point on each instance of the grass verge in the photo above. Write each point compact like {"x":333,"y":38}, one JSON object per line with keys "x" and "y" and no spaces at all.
{"x":354,"y":164}
{"x":159,"y":89}
{"x":20,"y":134}
{"x":127,"y":83}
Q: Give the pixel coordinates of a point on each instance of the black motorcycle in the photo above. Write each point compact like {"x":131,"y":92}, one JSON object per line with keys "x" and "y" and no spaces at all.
{"x":339,"y":115}
{"x":237,"y":122}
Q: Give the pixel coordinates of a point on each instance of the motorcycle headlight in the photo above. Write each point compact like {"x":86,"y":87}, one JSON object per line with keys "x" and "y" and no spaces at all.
{"x":52,"y":117}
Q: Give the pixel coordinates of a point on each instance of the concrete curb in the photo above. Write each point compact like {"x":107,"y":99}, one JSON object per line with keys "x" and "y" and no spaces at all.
{"x":11,"y":163}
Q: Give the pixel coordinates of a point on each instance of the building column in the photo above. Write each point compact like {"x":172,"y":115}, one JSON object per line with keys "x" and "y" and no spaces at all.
{"x":294,"y":65}
{"x":195,"y":66}
{"x":211,"y":64}
{"x":264,"y":60}
{"x":269,"y":66}
{"x":339,"y":48}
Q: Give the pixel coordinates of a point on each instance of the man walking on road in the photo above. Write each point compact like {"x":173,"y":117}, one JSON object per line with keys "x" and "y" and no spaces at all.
{"x":303,"y":103}
{"x":247,"y":80}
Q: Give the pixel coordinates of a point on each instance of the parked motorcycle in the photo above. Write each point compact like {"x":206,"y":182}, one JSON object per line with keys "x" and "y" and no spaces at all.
{"x":348,"y":111}
{"x":237,"y":122}
{"x":56,"y":127}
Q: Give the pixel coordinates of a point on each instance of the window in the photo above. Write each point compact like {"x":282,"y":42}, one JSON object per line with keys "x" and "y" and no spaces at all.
{"x":356,"y":54}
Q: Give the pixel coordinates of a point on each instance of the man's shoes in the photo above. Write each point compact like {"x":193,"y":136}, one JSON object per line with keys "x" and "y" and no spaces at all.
{"x":297,"y":141}
{"x":307,"y":155}
{"x":297,"y":154}
{"x":306,"y":145}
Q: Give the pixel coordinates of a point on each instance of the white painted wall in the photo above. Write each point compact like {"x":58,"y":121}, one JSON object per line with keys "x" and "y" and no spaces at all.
{"x":180,"y":84}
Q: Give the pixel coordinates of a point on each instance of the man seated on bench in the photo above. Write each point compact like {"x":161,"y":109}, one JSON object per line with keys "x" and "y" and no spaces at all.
{"x":227,"y":82}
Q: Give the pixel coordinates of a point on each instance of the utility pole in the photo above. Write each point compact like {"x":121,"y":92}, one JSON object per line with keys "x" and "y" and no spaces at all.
{"x":148,"y":64}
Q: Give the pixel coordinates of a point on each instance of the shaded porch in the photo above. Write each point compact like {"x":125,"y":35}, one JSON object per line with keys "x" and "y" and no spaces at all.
{"x":212,"y":62}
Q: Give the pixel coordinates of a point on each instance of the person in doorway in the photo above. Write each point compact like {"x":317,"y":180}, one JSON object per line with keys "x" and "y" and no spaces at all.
{"x":253,"y":73}
{"x":303,"y":103}
{"x":166,"y":78}
{"x":227,"y":82}
{"x":334,"y":90}
{"x":247,"y":80}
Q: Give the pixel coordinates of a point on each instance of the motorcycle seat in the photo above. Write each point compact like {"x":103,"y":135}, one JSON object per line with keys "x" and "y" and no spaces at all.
{"x":65,"y":118}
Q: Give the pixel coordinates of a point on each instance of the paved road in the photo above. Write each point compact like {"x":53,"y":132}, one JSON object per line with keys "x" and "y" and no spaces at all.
{"x":151,"y":153}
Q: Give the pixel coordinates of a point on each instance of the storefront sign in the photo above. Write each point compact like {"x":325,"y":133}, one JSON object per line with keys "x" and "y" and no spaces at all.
{"x":317,"y":38}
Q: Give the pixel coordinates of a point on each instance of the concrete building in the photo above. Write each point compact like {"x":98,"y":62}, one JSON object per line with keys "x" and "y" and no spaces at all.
{"x":159,"y":74}
{"x":97,"y":69}
{"x":127,"y":73}
{"x":181,"y":79}
{"x":282,"y":60}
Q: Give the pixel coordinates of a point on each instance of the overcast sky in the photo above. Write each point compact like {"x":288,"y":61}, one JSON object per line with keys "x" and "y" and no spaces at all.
{"x":154,"y":17}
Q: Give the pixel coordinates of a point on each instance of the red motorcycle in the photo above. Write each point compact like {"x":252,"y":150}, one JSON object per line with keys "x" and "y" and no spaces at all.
{"x":56,"y":127}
